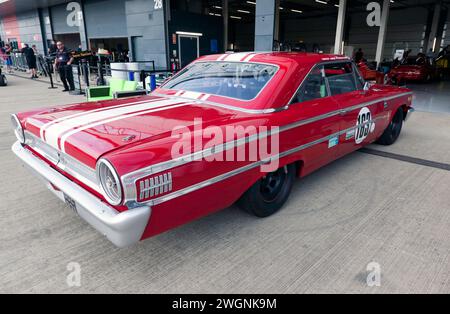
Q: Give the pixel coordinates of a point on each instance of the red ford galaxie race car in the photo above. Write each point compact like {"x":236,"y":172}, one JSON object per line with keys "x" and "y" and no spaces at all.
{"x":228,"y":128}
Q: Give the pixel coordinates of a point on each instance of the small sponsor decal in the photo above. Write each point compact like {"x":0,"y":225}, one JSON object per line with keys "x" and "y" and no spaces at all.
{"x":333,"y":141}
{"x":350,"y":134}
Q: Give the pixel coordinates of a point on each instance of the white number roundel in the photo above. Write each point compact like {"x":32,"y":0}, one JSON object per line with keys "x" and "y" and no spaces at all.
{"x":364,"y":125}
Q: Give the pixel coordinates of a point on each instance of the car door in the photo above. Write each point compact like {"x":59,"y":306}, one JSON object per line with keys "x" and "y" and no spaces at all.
{"x":313,"y":105}
{"x":358,"y":108}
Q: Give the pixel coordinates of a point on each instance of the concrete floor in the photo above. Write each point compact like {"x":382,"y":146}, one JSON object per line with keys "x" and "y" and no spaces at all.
{"x":358,"y":210}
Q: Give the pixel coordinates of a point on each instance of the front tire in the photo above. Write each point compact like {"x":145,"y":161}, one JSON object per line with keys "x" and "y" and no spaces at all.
{"x":268,"y":194}
{"x":392,"y":132}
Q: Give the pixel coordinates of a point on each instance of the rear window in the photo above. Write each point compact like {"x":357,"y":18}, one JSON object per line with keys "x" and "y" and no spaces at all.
{"x":238,"y":80}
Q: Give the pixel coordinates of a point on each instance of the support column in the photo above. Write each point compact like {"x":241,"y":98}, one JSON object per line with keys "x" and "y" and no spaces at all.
{"x":276,"y":33}
{"x":382,"y":32}
{"x":265,"y":24}
{"x":432,"y":39}
{"x":225,"y":24}
{"x":340,"y":27}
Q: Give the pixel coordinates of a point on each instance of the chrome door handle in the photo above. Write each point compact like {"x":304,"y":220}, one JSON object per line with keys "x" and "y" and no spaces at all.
{"x":343,"y":112}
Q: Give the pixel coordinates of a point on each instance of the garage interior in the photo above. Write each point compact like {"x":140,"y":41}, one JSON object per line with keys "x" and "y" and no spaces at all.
{"x":388,"y":205}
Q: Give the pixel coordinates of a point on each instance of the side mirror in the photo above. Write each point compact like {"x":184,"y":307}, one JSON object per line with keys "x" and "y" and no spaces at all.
{"x":367,"y":86}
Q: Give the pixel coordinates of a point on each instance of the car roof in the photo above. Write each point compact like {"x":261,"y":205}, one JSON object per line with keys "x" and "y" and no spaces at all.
{"x":274,"y":57}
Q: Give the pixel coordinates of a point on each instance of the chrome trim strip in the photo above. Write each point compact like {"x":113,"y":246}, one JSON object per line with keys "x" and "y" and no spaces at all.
{"x":237,"y":171}
{"x":121,"y":228}
{"x":63,"y":161}
{"x":20,"y":136}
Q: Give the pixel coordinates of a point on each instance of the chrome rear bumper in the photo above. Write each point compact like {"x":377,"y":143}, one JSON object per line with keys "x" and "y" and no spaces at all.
{"x":121,"y":228}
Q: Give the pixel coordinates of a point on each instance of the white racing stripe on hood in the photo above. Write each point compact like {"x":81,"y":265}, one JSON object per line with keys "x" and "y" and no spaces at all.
{"x":53,"y":133}
{"x":46,"y":125}
{"x":92,"y":125}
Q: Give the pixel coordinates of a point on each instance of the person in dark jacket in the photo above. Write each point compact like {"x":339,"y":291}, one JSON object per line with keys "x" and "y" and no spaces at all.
{"x":63,"y":63}
{"x":359,"y":56}
{"x":31,"y":60}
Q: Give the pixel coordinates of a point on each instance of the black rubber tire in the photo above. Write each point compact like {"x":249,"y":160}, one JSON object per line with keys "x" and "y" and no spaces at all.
{"x":392,"y":132}
{"x":257,"y":202}
{"x":3,"y":80}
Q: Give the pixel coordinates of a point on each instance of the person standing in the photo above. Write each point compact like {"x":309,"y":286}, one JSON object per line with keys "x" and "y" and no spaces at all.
{"x":31,"y":60}
{"x":52,"y":48}
{"x":7,"y":57}
{"x":359,"y":55}
{"x":63,"y":64}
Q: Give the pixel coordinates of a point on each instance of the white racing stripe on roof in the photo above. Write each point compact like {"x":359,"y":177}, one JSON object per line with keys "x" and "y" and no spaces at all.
{"x":193,"y":95}
{"x":92,"y":125}
{"x":222,"y":57}
{"x":249,"y":57}
{"x":236,"y":56}
{"x":53,"y":133}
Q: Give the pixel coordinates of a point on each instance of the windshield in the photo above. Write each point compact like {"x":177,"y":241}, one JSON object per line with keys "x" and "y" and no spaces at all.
{"x":230,"y":79}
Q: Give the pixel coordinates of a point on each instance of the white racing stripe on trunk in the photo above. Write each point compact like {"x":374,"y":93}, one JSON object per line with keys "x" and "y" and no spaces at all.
{"x":46,"y":125}
{"x":53,"y":133}
{"x":92,"y":125}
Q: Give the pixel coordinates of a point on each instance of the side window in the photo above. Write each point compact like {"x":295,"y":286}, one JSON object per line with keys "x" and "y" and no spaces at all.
{"x":340,"y":77}
{"x":313,"y":86}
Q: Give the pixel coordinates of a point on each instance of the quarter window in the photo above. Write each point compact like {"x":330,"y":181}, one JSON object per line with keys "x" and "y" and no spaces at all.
{"x":340,"y":77}
{"x":313,"y":87}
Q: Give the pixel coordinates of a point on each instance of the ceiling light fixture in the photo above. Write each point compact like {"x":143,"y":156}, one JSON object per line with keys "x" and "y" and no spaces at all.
{"x":189,"y":33}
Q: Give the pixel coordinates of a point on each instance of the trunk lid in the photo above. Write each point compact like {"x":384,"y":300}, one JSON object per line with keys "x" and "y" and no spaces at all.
{"x":88,"y":131}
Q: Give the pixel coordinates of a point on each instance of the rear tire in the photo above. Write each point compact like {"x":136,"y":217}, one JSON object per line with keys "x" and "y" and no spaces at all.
{"x":268,"y":194}
{"x":392,"y":132}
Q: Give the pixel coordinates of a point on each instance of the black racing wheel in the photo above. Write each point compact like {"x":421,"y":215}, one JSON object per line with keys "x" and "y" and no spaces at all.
{"x":392,"y":132}
{"x":269,"y":193}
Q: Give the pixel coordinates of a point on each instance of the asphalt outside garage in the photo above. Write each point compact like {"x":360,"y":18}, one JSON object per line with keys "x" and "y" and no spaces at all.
{"x":361,"y":209}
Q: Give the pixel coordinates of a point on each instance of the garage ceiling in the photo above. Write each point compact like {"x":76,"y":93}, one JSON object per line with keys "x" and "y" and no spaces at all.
{"x":306,"y":8}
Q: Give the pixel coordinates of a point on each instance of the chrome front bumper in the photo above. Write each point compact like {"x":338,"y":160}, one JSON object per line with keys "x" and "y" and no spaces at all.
{"x":122,"y":229}
{"x":409,"y":113}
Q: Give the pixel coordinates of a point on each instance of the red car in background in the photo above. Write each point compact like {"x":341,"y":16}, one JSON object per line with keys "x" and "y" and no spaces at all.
{"x":369,"y":74}
{"x":417,"y":68}
{"x":135,"y":168}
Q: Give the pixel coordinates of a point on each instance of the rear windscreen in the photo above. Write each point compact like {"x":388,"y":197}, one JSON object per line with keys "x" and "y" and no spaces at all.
{"x":238,"y":80}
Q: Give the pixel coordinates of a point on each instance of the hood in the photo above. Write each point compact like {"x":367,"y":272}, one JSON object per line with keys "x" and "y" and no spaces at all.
{"x":88,"y":131}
